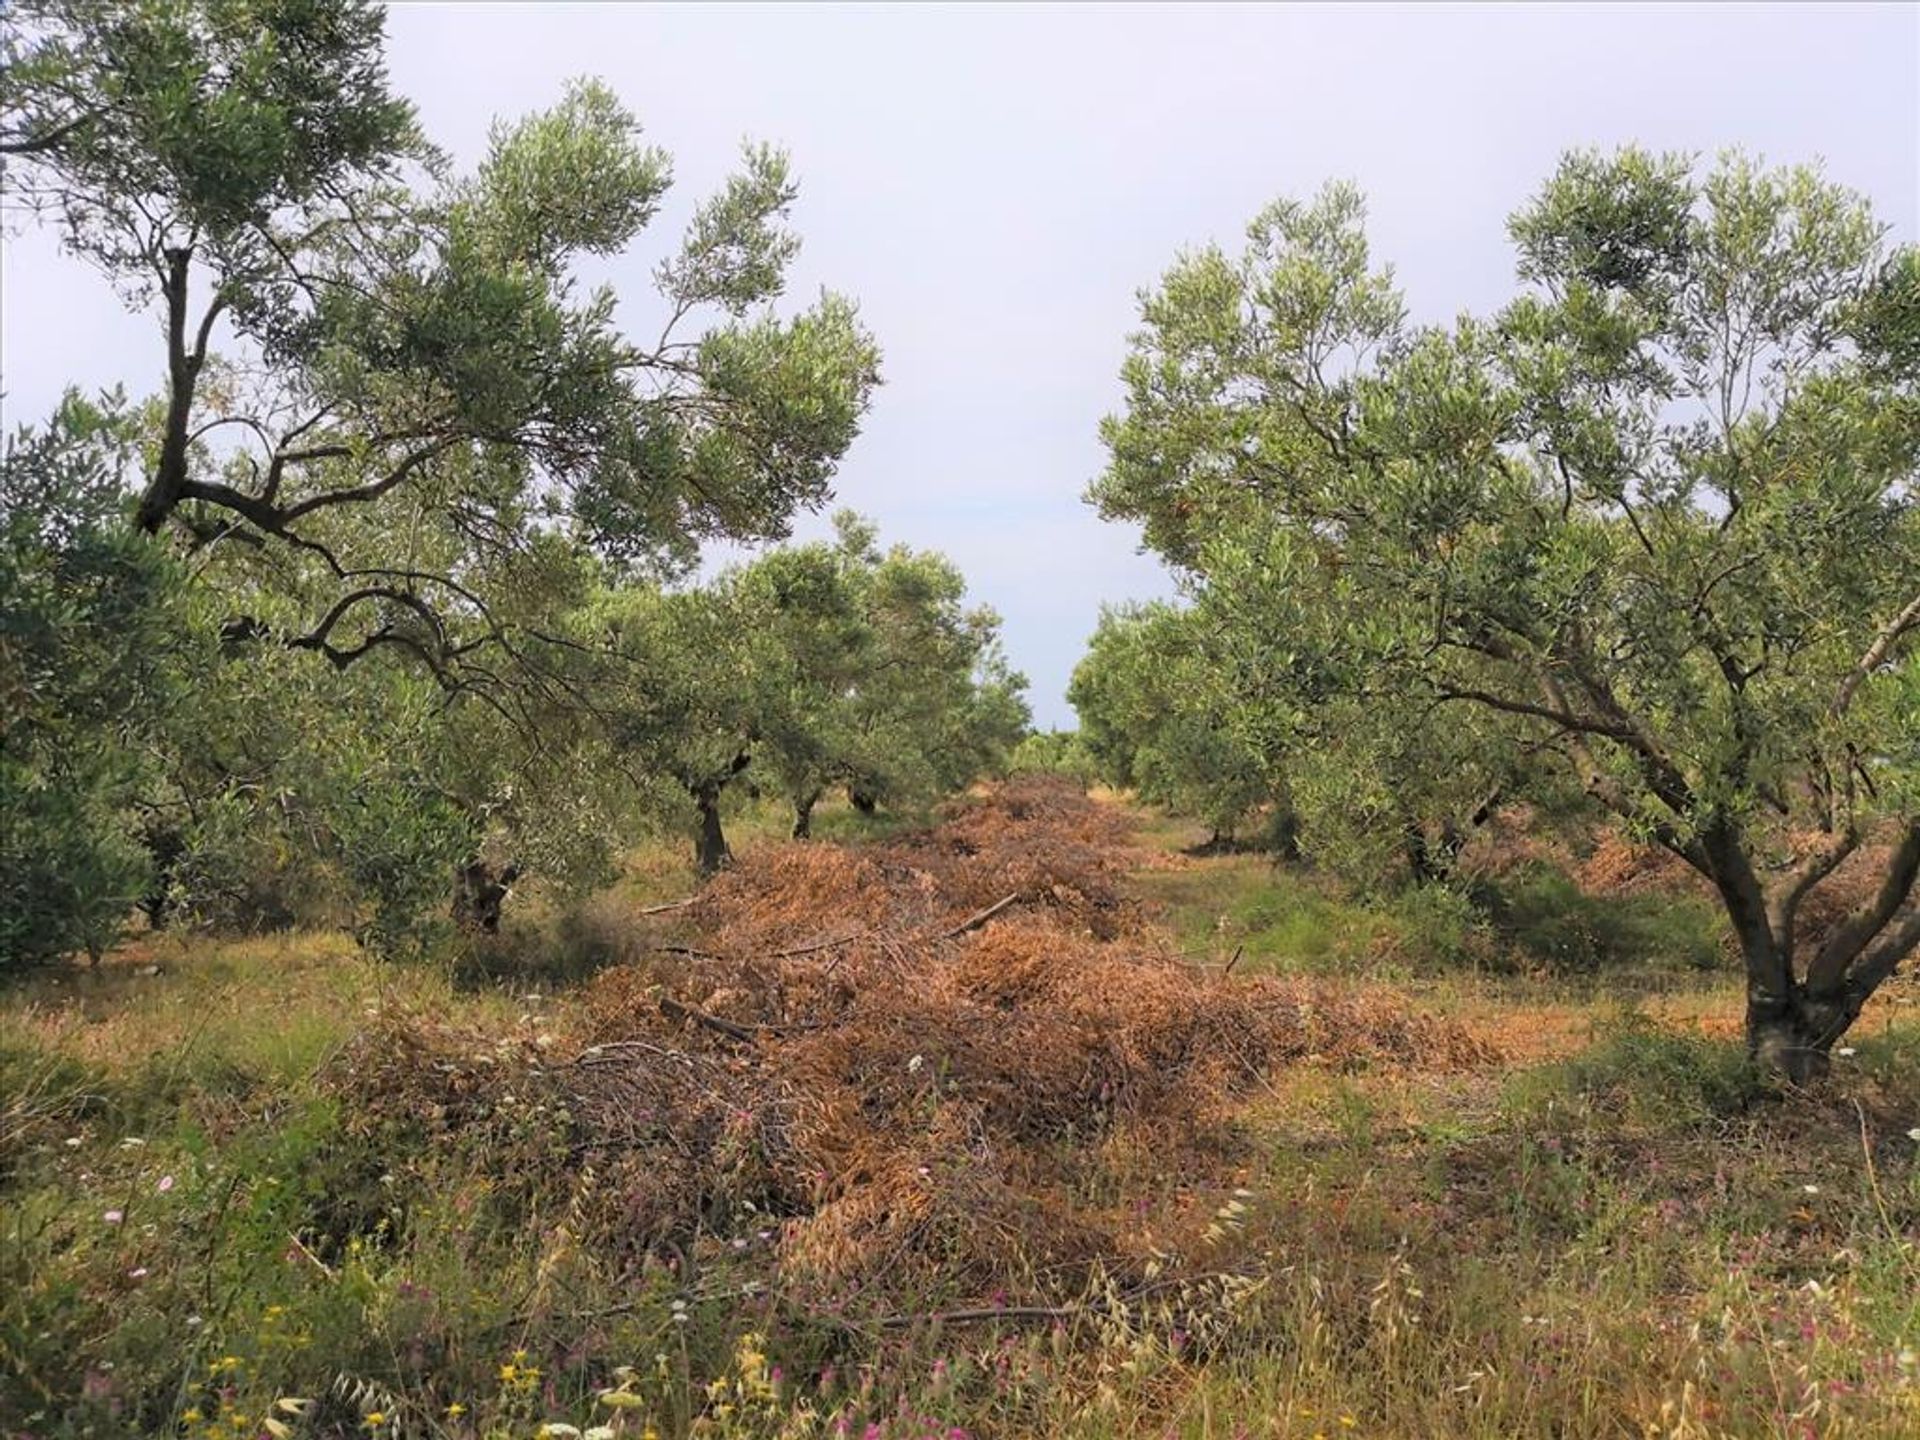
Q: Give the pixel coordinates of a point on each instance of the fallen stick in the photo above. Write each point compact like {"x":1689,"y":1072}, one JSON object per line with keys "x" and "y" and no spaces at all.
{"x":974,"y":922}
{"x":680,"y":1010}
{"x":675,"y":1010}
{"x":686,"y":950}
{"x":818,"y":945}
{"x":1235,"y":960}
{"x":662,"y":909}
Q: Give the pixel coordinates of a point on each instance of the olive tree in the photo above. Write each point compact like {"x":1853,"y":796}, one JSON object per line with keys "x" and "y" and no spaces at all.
{"x":86,"y":611}
{"x":1653,"y":525}
{"x":1153,"y":700}
{"x":810,"y":666}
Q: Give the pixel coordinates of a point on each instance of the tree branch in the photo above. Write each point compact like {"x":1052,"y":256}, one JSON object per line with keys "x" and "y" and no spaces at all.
{"x":46,"y":140}
{"x":1876,"y":655}
{"x":1828,"y":972}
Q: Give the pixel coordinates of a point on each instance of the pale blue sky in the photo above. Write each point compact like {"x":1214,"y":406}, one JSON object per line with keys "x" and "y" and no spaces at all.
{"x":994,"y":184}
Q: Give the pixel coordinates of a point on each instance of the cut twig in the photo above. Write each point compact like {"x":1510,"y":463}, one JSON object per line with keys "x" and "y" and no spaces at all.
{"x":680,"y":1010}
{"x":975,"y":921}
{"x":300,"y":1248}
{"x":675,"y":1010}
{"x":819,"y":945}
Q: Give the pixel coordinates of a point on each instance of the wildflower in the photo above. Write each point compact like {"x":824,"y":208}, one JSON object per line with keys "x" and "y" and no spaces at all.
{"x":166,"y":1184}
{"x":374,"y":1419}
{"x":139,"y":1272}
{"x":555,"y":1430}
{"x":72,"y":1142}
{"x":913,"y":1065}
{"x":1845,"y":1050}
{"x":456,"y":1410}
{"x":114,"y":1217}
{"x":597,"y":1432}
{"x":191,"y":1415}
{"x":1348,"y":1422}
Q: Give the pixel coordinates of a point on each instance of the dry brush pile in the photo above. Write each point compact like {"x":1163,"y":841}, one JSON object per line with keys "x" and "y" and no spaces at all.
{"x":951,"y":1064}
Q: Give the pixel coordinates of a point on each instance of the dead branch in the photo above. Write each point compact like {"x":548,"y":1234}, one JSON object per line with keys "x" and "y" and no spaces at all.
{"x":974,"y":922}
{"x":675,"y":1010}
{"x":819,"y":945}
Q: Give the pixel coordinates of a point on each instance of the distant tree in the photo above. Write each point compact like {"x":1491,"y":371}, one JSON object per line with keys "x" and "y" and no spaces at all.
{"x":1655,"y":525}
{"x":916,"y":700}
{"x":87,"y":607}
{"x":1153,"y":703}
{"x":383,"y":383}
{"x":809,"y":667}
{"x":1054,"y":752}
{"x":682,"y":699}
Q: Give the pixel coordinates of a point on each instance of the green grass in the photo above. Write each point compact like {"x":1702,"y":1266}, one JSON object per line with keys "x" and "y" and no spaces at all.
{"x":1282,"y":921}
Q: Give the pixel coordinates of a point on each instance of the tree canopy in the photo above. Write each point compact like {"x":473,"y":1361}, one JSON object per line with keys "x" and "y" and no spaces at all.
{"x":1155,"y":707}
{"x":385,"y":387}
{"x":819,"y":666}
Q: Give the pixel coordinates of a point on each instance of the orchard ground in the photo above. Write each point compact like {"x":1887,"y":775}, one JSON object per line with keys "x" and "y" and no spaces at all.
{"x":1027,"y":1123}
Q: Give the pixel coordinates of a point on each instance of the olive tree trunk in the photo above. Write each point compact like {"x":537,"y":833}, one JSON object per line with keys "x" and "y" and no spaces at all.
{"x":710,"y":850}
{"x":803,"y":815}
{"x":1800,"y":1004}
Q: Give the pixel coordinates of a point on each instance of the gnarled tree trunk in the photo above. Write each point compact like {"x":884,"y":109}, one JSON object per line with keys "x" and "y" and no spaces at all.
{"x":480,"y":892}
{"x":710,"y":852}
{"x":1798,"y":1007}
{"x":1284,"y":833}
{"x":803,"y":815}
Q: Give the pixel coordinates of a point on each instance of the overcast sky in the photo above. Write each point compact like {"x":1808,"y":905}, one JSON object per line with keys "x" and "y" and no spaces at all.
{"x":994,"y":184}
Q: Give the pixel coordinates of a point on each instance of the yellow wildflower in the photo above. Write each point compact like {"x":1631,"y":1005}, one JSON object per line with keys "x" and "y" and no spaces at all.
{"x":456,"y":1410}
{"x":375,"y":1419}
